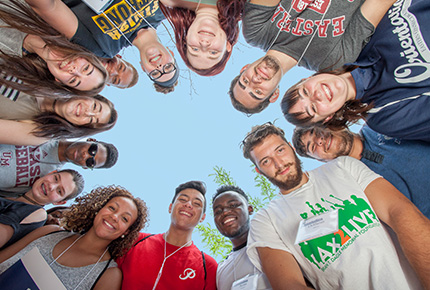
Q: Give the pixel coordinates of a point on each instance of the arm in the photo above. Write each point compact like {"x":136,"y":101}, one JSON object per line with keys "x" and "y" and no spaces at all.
{"x":19,"y":133}
{"x":281,"y":269}
{"x":22,"y":243}
{"x":111,"y":279}
{"x":266,"y":2}
{"x":410,"y":225}
{"x":56,"y":14}
{"x":374,"y":10}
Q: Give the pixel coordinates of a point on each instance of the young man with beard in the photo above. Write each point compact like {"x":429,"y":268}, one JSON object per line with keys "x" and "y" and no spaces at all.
{"x":333,"y":224}
{"x":21,"y":215}
{"x":231,"y":215}
{"x":402,"y":162}
{"x":171,"y":260}
{"x":21,"y":165}
{"x":314,"y":34}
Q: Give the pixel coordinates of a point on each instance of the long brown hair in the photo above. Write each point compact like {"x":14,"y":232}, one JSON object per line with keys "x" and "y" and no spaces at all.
{"x":31,"y":69}
{"x":229,"y":14}
{"x":351,"y":112}
{"x":51,"y":125}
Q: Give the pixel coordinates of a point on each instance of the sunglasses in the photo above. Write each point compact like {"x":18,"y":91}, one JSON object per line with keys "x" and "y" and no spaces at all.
{"x":92,"y":151}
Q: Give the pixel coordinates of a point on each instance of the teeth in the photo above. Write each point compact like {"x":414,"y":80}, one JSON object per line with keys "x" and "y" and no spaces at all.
{"x":327,"y":91}
{"x":185,"y":213}
{"x":44,"y":189}
{"x":109,"y":225}
{"x":63,"y":64}
{"x":228,"y":220}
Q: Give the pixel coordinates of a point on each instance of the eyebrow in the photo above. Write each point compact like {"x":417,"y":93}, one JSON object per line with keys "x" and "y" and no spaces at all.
{"x":250,"y":93}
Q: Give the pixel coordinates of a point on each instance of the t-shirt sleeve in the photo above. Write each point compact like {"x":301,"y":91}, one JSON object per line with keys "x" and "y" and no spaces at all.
{"x":255,"y":24}
{"x":84,"y":38}
{"x":358,"y":170}
{"x":355,"y":38}
{"x":211,"y":268}
{"x":263,"y":234}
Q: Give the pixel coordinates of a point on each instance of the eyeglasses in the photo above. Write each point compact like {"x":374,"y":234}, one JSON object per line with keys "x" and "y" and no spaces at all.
{"x":167,"y":68}
{"x":92,"y":151}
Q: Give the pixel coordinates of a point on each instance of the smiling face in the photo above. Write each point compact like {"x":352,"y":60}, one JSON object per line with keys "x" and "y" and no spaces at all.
{"x":258,"y":81}
{"x":53,"y":188}
{"x":77,"y":73}
{"x":276,"y":160}
{"x":326,"y":145}
{"x":83,"y":110}
{"x":206,"y":43}
{"x":114,"y":219}
{"x":231,"y":215}
{"x":320,"y":96}
{"x":187,"y":209}
{"x":120,"y":72}
{"x":157,"y":57}
{"x":78,"y":154}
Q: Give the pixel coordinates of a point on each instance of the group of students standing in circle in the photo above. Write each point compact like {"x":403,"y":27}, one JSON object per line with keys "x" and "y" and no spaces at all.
{"x":371,"y":61}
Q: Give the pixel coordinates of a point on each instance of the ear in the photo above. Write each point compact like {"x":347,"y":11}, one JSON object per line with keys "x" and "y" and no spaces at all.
{"x":108,"y":84}
{"x":228,"y":46}
{"x":275,"y":96}
{"x":250,"y":209}
{"x":170,"y":208}
{"x":291,"y":146}
{"x":327,"y":119}
{"x":57,"y":80}
{"x":59,"y":202}
{"x":203,"y":218}
{"x":258,"y":170}
{"x":244,"y":68}
{"x":171,"y":52}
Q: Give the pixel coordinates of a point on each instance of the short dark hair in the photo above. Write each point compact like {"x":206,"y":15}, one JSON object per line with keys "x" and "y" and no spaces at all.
{"x":165,"y":90}
{"x":257,"y":136}
{"x":111,"y":155}
{"x":225,"y":188}
{"x":241,"y":108}
{"x":197,"y":185}
{"x":298,"y":144}
{"x":79,"y":181}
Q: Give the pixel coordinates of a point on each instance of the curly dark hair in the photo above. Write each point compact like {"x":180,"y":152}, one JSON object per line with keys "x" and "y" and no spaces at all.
{"x":229,"y":15}
{"x":81,"y":215}
{"x":351,"y":112}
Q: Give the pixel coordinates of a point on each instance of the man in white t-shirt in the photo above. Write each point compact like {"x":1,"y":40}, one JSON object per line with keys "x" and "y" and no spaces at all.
{"x":231,"y":215}
{"x":327,"y":224}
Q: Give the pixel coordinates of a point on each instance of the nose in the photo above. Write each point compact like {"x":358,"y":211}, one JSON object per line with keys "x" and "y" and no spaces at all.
{"x":320,"y":141}
{"x":277,"y":163}
{"x":256,"y":78}
{"x":204,"y":42}
{"x":115,"y":216}
{"x":52,"y":186}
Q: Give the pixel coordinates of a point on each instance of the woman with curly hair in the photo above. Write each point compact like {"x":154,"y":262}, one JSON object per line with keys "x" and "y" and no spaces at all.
{"x":205,"y":31}
{"x":44,"y":61}
{"x":100,"y":227}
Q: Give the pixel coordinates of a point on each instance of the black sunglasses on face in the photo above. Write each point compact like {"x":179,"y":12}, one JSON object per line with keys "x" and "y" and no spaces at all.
{"x":92,"y":151}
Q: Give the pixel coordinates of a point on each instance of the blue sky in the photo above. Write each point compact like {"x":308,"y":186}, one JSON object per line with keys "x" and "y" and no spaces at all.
{"x":165,"y":140}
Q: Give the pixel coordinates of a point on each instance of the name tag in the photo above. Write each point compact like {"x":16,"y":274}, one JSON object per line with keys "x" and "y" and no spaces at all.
{"x":318,"y":226}
{"x":249,"y":282}
{"x":98,"y":6}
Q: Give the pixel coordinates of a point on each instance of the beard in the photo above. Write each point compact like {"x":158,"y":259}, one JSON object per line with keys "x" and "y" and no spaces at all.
{"x":292,"y":179}
{"x":240,"y":231}
{"x":271,"y":63}
{"x":346,"y":143}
